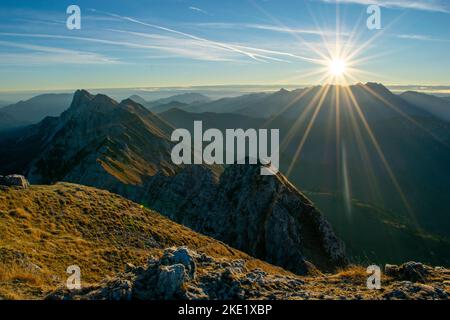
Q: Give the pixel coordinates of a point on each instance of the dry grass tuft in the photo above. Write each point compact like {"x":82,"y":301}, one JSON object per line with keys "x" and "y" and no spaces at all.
{"x":354,"y":274}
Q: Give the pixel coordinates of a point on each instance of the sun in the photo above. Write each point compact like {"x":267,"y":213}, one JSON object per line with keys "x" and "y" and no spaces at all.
{"x":337,"y":67}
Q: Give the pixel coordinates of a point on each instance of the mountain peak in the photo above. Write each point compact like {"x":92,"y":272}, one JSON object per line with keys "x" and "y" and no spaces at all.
{"x":130,"y":101}
{"x":82,"y":94}
{"x":377,"y":87}
{"x":80,"y":98}
{"x":85,"y":101}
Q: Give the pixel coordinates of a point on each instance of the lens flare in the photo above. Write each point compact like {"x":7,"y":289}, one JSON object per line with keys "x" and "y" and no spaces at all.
{"x":337,"y":67}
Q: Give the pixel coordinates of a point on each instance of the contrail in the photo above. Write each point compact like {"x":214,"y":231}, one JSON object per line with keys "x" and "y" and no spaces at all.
{"x":235,"y":48}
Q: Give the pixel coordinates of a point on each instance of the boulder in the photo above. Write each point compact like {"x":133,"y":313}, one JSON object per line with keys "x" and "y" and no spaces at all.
{"x":410,"y":271}
{"x":181,"y":256}
{"x":170,"y":281}
{"x":14,"y":180}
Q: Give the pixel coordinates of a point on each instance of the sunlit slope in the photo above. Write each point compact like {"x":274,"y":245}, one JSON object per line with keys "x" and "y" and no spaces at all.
{"x":45,"y":229}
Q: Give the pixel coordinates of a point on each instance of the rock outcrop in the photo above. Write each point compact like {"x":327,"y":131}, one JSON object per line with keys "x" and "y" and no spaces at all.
{"x":415,"y":281}
{"x":184,"y":274}
{"x":14,"y":180}
{"x":264,"y":216}
{"x":409,"y":271}
{"x":174,"y":276}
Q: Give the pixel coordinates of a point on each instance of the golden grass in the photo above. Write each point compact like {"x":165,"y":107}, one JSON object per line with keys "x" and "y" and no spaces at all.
{"x":354,"y":274}
{"x":45,"y":229}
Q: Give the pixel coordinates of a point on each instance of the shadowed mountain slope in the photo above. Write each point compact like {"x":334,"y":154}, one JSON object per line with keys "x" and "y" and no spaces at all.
{"x":434,"y":105}
{"x":37,"y":108}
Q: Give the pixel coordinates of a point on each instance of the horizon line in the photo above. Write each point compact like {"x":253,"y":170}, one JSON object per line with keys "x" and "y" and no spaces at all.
{"x":281,"y":86}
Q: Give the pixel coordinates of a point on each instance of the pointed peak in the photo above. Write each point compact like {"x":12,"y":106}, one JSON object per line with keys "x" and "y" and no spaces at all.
{"x":80,"y":97}
{"x":283,"y":90}
{"x":376,"y":86}
{"x":84,"y":101}
{"x":82,"y":94}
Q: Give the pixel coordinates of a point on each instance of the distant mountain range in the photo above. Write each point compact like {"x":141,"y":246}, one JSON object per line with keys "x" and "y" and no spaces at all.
{"x":176,"y":101}
{"x":37,"y":108}
{"x":4,"y":103}
{"x":439,"y":107}
{"x":33,"y":110}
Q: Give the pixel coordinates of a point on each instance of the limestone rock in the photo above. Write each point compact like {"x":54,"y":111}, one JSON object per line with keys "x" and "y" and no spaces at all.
{"x":410,"y":271}
{"x":218,"y":278}
{"x":168,"y":278}
{"x":264,"y":216}
{"x":14,"y":180}
{"x":181,"y":256}
{"x":171,"y":280}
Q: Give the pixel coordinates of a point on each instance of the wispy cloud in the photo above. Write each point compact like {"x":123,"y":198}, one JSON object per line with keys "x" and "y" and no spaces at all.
{"x":49,"y":55}
{"x":428,"y":5}
{"x":268,"y":27}
{"x":175,"y":47}
{"x":198,"y":10}
{"x":255,"y":54}
{"x":161,"y":42}
{"x":421,"y":37}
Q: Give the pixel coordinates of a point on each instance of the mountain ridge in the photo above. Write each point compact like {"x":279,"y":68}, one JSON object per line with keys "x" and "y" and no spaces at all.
{"x":124,"y":148}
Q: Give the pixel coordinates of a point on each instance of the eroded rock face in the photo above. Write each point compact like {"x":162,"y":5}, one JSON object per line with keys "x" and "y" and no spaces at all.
{"x":264,"y":216}
{"x":14,"y":180}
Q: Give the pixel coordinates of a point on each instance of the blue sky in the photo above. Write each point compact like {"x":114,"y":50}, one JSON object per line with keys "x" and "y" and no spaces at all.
{"x":157,"y":43}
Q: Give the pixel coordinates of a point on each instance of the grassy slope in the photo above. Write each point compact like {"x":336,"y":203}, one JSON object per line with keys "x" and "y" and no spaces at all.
{"x":45,"y":229}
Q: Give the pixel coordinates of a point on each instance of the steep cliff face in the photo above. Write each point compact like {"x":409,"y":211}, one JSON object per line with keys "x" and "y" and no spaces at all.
{"x":264,"y":216}
{"x":124,"y":148}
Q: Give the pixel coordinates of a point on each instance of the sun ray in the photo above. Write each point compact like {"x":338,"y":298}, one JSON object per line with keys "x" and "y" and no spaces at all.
{"x":291,"y":32}
{"x":363,"y":151}
{"x":295,"y":127}
{"x":380,"y":153}
{"x":297,"y":154}
{"x":406,"y":116}
{"x":377,"y":35}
